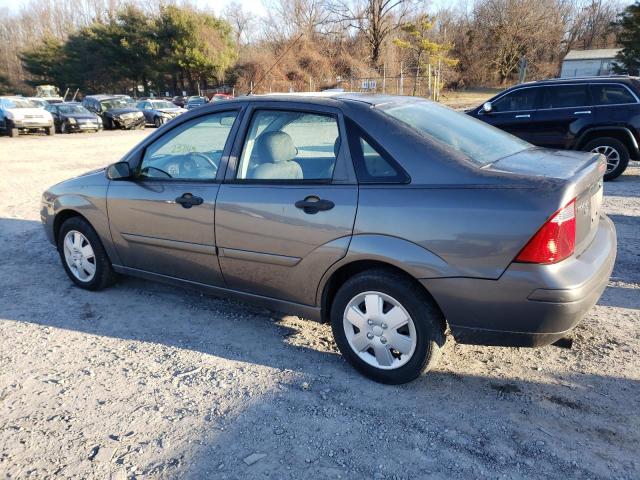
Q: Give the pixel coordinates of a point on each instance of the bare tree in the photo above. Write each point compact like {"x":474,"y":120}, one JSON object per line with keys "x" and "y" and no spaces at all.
{"x":241,"y":21}
{"x":375,"y":20}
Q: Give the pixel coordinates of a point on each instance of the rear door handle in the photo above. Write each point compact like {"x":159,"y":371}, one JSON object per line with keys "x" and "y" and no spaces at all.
{"x":313,"y":204}
{"x":187,"y":200}
{"x":582,"y":112}
{"x":523,"y":116}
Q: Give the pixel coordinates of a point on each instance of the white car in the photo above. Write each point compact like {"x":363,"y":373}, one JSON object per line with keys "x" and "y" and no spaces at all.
{"x":19,"y":114}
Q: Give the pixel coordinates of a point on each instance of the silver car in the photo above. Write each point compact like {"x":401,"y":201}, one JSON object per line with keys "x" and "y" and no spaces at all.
{"x":393,"y":218}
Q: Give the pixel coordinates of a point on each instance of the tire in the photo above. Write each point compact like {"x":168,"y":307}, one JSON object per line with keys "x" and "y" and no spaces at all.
{"x":103,"y":274}
{"x":157,"y":121}
{"x":613,"y":149}
{"x":63,"y":127}
{"x":50,"y":130}
{"x":421,"y":336}
{"x":13,"y":132}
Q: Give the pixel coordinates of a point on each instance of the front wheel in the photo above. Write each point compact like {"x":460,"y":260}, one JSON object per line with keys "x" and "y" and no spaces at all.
{"x":157,"y":122}
{"x":386,"y":326}
{"x":616,"y":153}
{"x":83,"y":255}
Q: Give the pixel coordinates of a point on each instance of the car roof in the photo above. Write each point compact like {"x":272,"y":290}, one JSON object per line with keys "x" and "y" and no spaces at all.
{"x":330,"y":98}
{"x":600,"y":79}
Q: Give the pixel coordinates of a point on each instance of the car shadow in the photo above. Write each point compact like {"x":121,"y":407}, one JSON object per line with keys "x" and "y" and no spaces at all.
{"x":444,"y":425}
{"x":326,"y":421}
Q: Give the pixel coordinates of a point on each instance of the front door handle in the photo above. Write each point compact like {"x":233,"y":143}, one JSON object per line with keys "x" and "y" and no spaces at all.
{"x":523,"y":116}
{"x":582,"y":112}
{"x":187,"y":200}
{"x":313,"y":204}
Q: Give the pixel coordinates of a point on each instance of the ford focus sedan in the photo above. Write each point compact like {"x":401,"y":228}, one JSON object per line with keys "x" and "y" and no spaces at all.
{"x":393,"y":218}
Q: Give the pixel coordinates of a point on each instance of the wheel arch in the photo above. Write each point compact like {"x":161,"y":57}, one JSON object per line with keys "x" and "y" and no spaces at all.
{"x":338,"y":276}
{"x":622,"y":134}
{"x":61,"y":217}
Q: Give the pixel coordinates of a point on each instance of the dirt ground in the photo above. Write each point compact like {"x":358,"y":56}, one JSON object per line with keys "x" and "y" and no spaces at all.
{"x":148,"y":381}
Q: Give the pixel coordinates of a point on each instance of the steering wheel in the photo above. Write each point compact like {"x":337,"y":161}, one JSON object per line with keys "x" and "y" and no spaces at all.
{"x":214,"y":165}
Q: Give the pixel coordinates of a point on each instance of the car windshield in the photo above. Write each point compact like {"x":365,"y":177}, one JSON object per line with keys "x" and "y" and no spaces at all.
{"x":70,"y":109}
{"x":162,"y":105}
{"x":481,"y":143}
{"x":115,"y":103}
{"x":18,"y":103}
{"x":196,"y":100}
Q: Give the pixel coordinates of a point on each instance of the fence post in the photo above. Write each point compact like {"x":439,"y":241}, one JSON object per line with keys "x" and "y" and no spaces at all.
{"x":384,"y":78}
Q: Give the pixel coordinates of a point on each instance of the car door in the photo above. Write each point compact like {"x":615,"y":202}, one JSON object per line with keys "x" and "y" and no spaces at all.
{"x":515,"y":112}
{"x":565,"y":110}
{"x":614,"y":103}
{"x":286,"y":210}
{"x":162,"y":219}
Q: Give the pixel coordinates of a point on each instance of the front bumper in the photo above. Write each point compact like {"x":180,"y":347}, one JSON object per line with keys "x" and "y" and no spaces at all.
{"x":84,"y":126}
{"x":32,"y":124}
{"x":529,"y":305}
{"x":128,"y":123}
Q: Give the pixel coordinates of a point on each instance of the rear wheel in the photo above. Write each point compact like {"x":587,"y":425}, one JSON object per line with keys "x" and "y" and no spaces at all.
{"x":50,"y":130}
{"x":616,"y":153}
{"x":83,"y":255}
{"x":386,"y":326}
{"x":13,"y":132}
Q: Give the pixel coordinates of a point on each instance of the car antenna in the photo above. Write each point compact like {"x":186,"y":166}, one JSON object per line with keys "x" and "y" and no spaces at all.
{"x":253,"y":86}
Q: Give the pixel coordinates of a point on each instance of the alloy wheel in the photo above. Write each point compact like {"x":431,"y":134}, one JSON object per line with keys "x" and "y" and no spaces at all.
{"x":79,"y":255}
{"x":612,"y":155}
{"x":379,"y":330}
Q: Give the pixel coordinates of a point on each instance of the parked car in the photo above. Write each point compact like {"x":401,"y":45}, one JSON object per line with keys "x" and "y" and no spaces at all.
{"x":193,"y":102}
{"x":17,"y":114}
{"x":179,"y":101}
{"x":158,"y":112}
{"x":391,"y":217}
{"x":217,"y":97}
{"x":597,"y":114}
{"x":116,"y":111}
{"x":73,"y":117}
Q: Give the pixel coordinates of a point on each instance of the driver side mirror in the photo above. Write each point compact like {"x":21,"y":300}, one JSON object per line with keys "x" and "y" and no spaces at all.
{"x":487,"y":107}
{"x":119,"y":171}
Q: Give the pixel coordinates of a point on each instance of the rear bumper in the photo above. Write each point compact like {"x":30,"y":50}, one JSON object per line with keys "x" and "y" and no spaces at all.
{"x":529,"y":305}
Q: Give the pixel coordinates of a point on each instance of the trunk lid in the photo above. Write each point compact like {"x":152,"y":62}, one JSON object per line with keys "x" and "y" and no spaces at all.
{"x":582,"y":173}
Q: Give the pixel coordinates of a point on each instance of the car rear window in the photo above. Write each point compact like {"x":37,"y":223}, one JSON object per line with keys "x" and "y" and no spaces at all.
{"x":480,"y":142}
{"x":604,"y":94}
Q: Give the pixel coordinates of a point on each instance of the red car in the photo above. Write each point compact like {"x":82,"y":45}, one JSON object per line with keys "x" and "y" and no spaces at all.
{"x":220,"y":96}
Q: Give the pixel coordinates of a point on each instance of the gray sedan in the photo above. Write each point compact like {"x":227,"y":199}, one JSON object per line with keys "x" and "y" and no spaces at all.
{"x":158,"y":112}
{"x":393,"y":218}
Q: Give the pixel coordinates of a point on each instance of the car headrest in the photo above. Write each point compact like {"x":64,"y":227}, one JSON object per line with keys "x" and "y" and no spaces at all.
{"x":275,"y":147}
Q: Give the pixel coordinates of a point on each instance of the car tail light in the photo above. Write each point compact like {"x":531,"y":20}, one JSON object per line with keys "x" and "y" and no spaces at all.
{"x":555,"y":241}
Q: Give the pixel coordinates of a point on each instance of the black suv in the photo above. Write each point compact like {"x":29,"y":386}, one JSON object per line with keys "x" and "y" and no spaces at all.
{"x":597,"y":114}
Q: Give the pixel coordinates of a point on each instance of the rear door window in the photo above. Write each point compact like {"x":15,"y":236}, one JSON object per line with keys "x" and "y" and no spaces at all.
{"x":566,"y":96}
{"x":290,"y":146}
{"x":522,"y":99}
{"x":606,"y":94}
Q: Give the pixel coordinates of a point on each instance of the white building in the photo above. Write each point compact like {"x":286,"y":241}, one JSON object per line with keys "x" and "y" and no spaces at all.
{"x":589,"y":63}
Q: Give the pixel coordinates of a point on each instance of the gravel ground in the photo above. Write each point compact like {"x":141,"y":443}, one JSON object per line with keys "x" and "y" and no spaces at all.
{"x":148,"y":381}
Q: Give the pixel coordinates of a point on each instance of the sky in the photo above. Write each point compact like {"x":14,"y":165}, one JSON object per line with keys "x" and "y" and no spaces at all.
{"x":254,"y":6}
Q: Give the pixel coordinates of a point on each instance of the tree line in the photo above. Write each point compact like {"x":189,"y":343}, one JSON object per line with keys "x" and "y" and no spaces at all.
{"x":164,"y":45}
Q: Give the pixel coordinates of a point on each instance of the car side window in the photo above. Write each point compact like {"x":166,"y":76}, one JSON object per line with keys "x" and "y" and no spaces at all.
{"x":191,"y":151}
{"x":371,"y":162}
{"x":522,"y":99}
{"x":289,"y":146}
{"x":606,"y":94}
{"x":566,"y":96}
